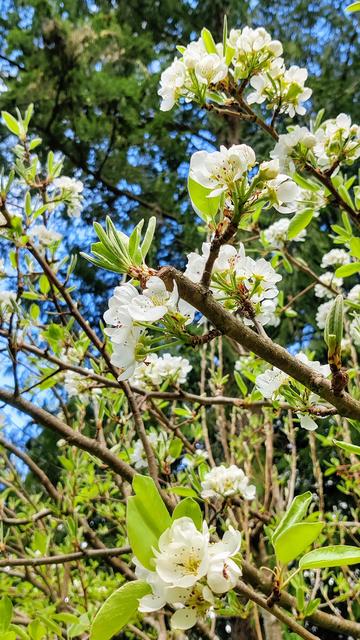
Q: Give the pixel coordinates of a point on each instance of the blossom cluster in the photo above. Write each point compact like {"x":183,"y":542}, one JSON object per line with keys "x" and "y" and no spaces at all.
{"x":160,"y":445}
{"x":226,"y":173}
{"x":227,"y":481}
{"x":128,"y":313}
{"x":190,"y":572}
{"x":69,"y":191}
{"x":208,"y":71}
{"x":336,"y":141}
{"x":157,"y":370}
{"x":273,"y":382}
{"x":244,"y":285}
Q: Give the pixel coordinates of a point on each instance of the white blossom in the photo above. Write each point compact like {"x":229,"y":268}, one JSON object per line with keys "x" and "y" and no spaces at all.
{"x":283,"y":193}
{"x":270,"y":382}
{"x":338,"y":141}
{"x":254,"y":49}
{"x":220,"y":170}
{"x":322,"y":313}
{"x":307,"y":422}
{"x":329,"y":279}
{"x":189,"y":570}
{"x":71,"y":193}
{"x":44,"y":235}
{"x":354,"y":294}
{"x":7,"y":301}
{"x":172,"y":84}
{"x":154,"y":302}
{"x":211,"y":69}
{"x":183,"y":555}
{"x":335,"y":257}
{"x":289,"y":143}
{"x":227,"y":481}
{"x":77,"y":384}
{"x":276,"y":234}
{"x":157,"y":441}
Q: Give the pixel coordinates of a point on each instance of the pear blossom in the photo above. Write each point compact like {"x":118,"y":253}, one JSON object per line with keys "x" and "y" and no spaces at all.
{"x":321,"y":369}
{"x":211,"y":69}
{"x":172,"y":84}
{"x":117,"y":314}
{"x":289,"y":145}
{"x":220,"y":170}
{"x":45,"y":236}
{"x":335,"y":257}
{"x":269,"y":382}
{"x":280,"y":86}
{"x":338,"y":141}
{"x":183,"y":555}
{"x":354,"y":294}
{"x":283,"y":192}
{"x":227,"y":481}
{"x":223,"y":572}
{"x":276,"y":234}
{"x":71,"y":193}
{"x":253,"y":50}
{"x":329,"y":279}
{"x":193,"y":53}
{"x":78,"y":385}
{"x":322,"y":313}
{"x":154,"y":302}
{"x":159,"y":443}
{"x":190,"y":572}
{"x":295,"y":93}
{"x":128,"y":352}
{"x":7,"y":301}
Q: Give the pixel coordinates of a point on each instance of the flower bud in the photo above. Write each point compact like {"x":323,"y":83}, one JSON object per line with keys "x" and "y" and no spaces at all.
{"x":333,"y":331}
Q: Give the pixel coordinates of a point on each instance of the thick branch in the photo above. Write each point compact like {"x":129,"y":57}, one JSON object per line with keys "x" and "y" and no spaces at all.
{"x":73,"y":437}
{"x":262,"y":346}
{"x":64,"y":557}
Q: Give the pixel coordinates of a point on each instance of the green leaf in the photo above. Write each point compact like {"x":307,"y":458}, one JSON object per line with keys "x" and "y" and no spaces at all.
{"x":295,"y":513}
{"x":37,"y":630}
{"x":295,"y":539}
{"x":347,"y":270}
{"x":148,"y":237}
{"x":208,"y":41}
{"x":5,"y":613}
{"x":11,"y":122}
{"x":299,"y":222}
{"x":147,"y":518}
{"x":347,"y":446}
{"x":337,"y":556}
{"x":190,"y":509}
{"x":118,"y":610}
{"x":205,"y":207}
{"x":355,"y":247}
{"x":305,"y":184}
{"x":355,"y":6}
{"x":175,"y":447}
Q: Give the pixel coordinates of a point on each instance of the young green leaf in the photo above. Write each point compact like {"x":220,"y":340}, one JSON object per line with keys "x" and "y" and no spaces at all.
{"x":118,"y":610}
{"x":337,"y":556}
{"x":347,"y":446}
{"x":295,"y":539}
{"x":147,"y":518}
{"x":347,"y":270}
{"x":11,"y":123}
{"x":190,"y":509}
{"x":205,"y":207}
{"x":208,"y":41}
{"x":5,"y":613}
{"x":299,"y":222}
{"x":295,"y":513}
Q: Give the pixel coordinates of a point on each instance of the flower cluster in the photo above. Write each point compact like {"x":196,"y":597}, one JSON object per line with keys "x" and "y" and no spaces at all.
{"x":69,"y":191}
{"x":225,"y":172}
{"x":332,"y":284}
{"x":276,"y":234}
{"x":160,"y":444}
{"x":244,"y":285}
{"x":44,"y":236}
{"x":190,"y":572}
{"x":335,"y":142}
{"x":78,"y":385}
{"x":208,"y":71}
{"x":227,"y":481}
{"x":335,"y":257}
{"x":7,"y":301}
{"x":128,"y":313}
{"x":157,"y":370}
{"x":274,"y":382}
